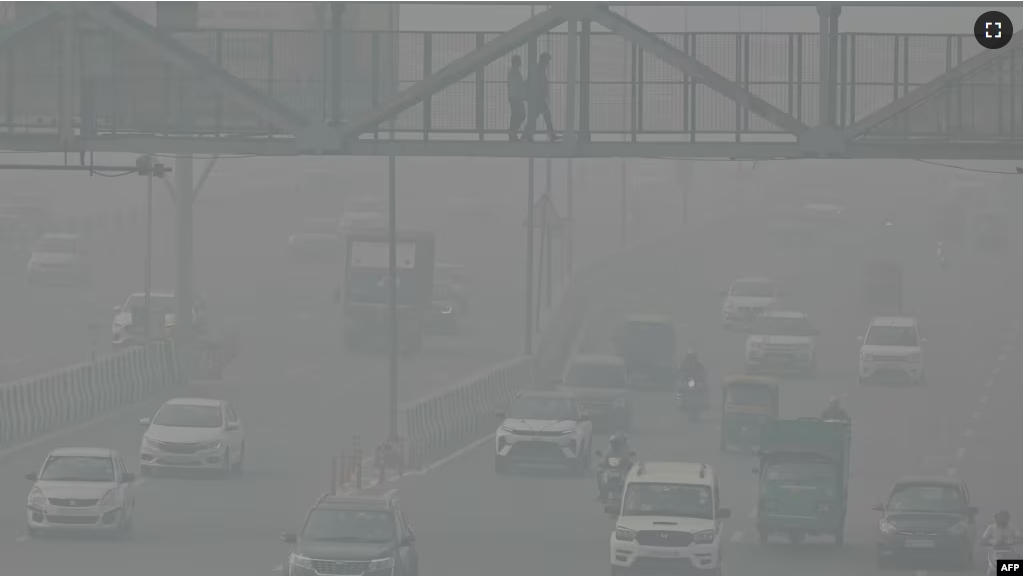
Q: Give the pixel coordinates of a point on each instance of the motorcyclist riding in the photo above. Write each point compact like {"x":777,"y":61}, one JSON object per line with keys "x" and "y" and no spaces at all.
{"x":1000,"y":533}
{"x":834,"y":412}
{"x":618,"y":448}
{"x":692,"y":369}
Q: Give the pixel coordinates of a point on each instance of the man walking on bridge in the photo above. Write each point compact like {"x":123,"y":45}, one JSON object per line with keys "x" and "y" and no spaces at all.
{"x":516,"y":98}
{"x":538,"y":98}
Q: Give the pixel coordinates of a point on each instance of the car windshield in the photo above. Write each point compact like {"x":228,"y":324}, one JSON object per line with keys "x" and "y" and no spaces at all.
{"x":542,"y":409}
{"x":891,"y":336}
{"x":349,"y":526}
{"x":752,"y":289}
{"x":782,"y":326}
{"x":162,"y":303}
{"x":596,"y":376}
{"x":668,"y":500}
{"x":197,"y":416}
{"x":799,"y":472}
{"x":749,"y":396}
{"x":85,"y":469}
{"x":319,"y":227}
{"x":926,"y":499}
{"x":57,"y":245}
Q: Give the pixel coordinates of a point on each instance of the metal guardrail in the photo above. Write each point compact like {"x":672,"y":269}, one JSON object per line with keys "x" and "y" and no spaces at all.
{"x":40,"y":404}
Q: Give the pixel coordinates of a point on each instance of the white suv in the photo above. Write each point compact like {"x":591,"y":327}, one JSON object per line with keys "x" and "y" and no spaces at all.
{"x":193,"y":434}
{"x":781,"y":340}
{"x":669,"y":521}
{"x":891,"y":349}
{"x":543,"y":428}
{"x":746,"y":299}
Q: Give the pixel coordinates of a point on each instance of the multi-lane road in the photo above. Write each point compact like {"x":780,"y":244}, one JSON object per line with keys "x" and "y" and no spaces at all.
{"x":964,"y":422}
{"x":300,"y":397}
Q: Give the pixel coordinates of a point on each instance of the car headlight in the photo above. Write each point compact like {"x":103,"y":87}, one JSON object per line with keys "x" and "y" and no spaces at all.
{"x":886,"y":527}
{"x":36,"y":498}
{"x":914,"y":358}
{"x":109,"y":498}
{"x":729,"y":306}
{"x":567,"y":432}
{"x":300,"y":561}
{"x":149,"y":442}
{"x":864,"y":356}
{"x":704,"y":537}
{"x":507,"y":429}
{"x":624,"y":534}
{"x":381,"y":564}
{"x":210,"y":446}
{"x":958,"y":529}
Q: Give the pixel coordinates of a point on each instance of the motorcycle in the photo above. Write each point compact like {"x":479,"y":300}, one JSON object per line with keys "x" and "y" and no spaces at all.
{"x":691,"y":399}
{"x":996,"y":553}
{"x":613,"y":475}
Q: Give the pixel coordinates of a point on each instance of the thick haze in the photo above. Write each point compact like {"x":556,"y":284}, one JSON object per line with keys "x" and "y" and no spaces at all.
{"x":302,"y":394}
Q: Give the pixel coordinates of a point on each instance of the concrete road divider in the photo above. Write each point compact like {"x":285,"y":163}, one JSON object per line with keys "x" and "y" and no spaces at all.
{"x":38,"y":405}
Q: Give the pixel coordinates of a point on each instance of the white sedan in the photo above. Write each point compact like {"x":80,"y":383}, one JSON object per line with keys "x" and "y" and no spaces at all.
{"x":81,"y":489}
{"x":193,"y":434}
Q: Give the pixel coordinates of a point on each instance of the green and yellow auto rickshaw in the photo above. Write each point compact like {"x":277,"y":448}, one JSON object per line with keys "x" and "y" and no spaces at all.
{"x":747,"y":403}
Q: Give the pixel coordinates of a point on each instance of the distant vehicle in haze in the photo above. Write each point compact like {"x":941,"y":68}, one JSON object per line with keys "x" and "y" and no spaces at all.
{"x":781,"y":340}
{"x":81,"y":489}
{"x":193,"y":434}
{"x":128,"y":328}
{"x":318,"y":240}
{"x":600,"y":384}
{"x":60,"y":259}
{"x":746,"y":299}
{"x":891,"y":350}
{"x":648,"y":343}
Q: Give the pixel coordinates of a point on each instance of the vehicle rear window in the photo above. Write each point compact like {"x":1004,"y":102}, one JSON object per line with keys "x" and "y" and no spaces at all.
{"x":749,"y":395}
{"x":596,"y":376}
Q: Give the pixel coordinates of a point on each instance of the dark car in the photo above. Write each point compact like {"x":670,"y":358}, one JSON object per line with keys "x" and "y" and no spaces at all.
{"x":927,"y":519}
{"x":599,"y":384}
{"x":648,"y":345}
{"x":365,"y":535}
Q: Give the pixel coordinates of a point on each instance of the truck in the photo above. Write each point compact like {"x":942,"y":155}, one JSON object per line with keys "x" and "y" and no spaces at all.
{"x":803,"y":479}
{"x":883,"y":287}
{"x":365,"y":294}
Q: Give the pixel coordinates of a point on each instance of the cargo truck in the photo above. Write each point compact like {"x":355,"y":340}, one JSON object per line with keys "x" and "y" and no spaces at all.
{"x":803,"y":479}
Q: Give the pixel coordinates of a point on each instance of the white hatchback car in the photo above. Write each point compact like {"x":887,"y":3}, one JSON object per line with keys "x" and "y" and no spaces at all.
{"x":193,"y":434}
{"x":81,"y":489}
{"x":891,"y":350}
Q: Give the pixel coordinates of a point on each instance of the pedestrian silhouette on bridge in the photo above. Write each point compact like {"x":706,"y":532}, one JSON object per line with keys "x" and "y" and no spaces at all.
{"x":517,"y":94}
{"x":538,"y":98}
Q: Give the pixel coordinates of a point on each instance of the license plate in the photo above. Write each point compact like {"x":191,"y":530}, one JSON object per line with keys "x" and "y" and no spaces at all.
{"x":72,"y":511}
{"x":662,"y":553}
{"x":919,"y":544}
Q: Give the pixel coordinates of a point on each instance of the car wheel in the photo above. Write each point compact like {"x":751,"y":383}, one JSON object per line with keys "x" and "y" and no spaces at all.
{"x":237,"y":467}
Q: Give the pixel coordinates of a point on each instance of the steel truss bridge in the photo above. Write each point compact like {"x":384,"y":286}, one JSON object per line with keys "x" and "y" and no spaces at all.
{"x":91,"y":76}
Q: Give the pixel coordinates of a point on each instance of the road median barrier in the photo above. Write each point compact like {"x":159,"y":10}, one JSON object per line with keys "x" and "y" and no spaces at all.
{"x":41,"y":404}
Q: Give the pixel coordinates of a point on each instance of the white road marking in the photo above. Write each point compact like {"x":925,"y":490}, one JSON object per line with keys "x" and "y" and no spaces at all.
{"x":995,"y":370}
{"x":975,"y":414}
{"x":21,"y":539}
{"x":1001,"y":358}
{"x":736,"y":537}
{"x":279,"y":569}
{"x":960,"y":453}
{"x":988,"y":384}
{"x":968,"y":433}
{"x":983,"y":399}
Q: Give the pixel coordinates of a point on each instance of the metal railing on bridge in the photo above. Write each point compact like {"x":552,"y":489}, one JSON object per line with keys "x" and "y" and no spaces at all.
{"x":632,"y":94}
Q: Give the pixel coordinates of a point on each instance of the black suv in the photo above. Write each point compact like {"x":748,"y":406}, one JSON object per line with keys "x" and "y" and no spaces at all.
{"x":365,"y":535}
{"x":927,"y":519}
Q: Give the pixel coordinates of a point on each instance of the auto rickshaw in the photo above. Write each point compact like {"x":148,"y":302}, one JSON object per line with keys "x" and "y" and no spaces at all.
{"x":747,"y":403}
